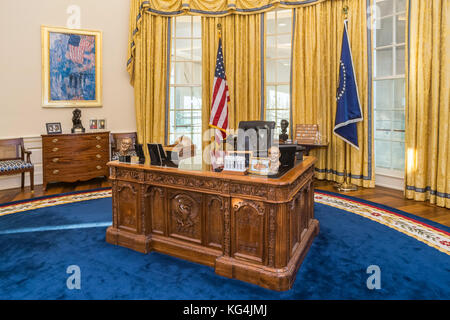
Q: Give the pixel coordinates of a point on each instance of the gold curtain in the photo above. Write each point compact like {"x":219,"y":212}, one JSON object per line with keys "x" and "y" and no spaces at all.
{"x":427,"y":151}
{"x":148,"y":73}
{"x":241,"y":43}
{"x":315,"y":69}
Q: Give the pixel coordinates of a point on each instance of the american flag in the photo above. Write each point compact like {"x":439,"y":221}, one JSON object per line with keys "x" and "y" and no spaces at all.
{"x":220,"y":99}
{"x":78,"y":45}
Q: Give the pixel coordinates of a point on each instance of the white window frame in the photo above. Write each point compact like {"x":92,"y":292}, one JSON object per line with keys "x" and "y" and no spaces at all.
{"x":389,"y":177}
{"x":173,"y":108}
{"x":275,"y":84}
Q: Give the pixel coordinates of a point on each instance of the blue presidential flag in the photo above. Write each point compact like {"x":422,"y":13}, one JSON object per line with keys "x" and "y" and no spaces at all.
{"x":348,"y":111}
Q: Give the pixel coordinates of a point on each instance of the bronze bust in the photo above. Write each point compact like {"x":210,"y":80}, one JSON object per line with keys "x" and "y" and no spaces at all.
{"x":76,"y":121}
{"x":284,"y":125}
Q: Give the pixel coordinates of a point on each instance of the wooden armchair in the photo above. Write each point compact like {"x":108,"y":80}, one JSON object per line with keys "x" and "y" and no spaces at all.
{"x":12,"y":160}
{"x":116,"y":139}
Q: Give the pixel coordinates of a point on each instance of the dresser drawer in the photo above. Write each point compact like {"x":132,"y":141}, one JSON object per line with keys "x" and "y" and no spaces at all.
{"x":71,"y":148}
{"x":74,"y":169}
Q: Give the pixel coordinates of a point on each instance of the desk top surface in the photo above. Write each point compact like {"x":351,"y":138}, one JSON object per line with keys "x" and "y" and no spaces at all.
{"x":288,"y":178}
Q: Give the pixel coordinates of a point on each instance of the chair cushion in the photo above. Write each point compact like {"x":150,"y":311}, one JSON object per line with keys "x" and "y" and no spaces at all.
{"x":12,"y":165}
{"x":115,"y":155}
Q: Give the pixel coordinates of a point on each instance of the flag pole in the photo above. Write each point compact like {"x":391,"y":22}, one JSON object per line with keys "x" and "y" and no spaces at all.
{"x":346,"y":185}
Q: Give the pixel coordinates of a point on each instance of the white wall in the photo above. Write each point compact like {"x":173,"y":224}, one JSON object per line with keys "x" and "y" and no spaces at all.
{"x":21,"y":113}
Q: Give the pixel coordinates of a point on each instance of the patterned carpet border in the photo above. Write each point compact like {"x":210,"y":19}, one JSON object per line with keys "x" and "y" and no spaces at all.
{"x":434,"y":236}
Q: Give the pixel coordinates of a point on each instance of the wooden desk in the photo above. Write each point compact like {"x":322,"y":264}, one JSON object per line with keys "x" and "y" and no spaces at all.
{"x":309,"y":146}
{"x":250,"y":228}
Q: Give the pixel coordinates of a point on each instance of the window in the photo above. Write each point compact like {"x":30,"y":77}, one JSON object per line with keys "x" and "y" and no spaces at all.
{"x":278,"y":65}
{"x":185,"y":101}
{"x":389,"y":87}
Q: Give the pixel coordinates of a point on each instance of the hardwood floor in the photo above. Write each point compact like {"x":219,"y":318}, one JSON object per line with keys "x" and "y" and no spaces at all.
{"x":386,"y":196}
{"x":394,"y":198}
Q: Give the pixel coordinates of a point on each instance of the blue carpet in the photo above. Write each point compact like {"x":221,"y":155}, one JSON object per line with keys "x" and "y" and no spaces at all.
{"x":37,"y":247}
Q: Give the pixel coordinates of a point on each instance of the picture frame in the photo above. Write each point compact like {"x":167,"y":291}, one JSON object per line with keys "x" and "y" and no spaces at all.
{"x":93,"y":124}
{"x":71,"y":67}
{"x":101,"y":124}
{"x":259,"y":165}
{"x":53,"y":127}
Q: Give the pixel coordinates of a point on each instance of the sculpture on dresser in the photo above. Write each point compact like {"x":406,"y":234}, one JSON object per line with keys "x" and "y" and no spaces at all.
{"x":284,"y":124}
{"x":76,"y":121}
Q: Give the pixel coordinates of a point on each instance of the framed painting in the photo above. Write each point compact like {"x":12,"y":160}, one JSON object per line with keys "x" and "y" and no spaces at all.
{"x":71,"y":67}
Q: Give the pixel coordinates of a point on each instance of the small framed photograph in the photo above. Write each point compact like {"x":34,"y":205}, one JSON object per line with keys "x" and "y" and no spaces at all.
{"x":259,"y":165}
{"x":53,"y":128}
{"x":93,"y":124}
{"x":101,"y":124}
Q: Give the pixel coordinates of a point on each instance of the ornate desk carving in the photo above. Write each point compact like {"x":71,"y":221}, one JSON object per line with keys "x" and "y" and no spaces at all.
{"x":247,"y":227}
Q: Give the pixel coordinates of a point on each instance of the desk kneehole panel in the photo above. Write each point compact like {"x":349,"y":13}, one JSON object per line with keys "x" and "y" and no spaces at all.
{"x":74,"y":157}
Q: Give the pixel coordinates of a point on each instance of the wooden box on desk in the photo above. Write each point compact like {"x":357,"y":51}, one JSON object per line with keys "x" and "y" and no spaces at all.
{"x":178,"y":152}
{"x":74,"y":157}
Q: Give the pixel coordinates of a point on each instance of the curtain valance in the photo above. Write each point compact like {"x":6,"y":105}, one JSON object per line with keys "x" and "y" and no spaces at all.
{"x":216,"y":8}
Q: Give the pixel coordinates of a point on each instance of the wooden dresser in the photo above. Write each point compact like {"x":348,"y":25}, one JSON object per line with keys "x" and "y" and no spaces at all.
{"x":74,"y":157}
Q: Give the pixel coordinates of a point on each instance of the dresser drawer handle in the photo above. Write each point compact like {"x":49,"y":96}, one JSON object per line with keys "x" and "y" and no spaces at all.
{"x":55,"y":171}
{"x":98,"y":138}
{"x":98,"y":146}
{"x":55,"y":149}
{"x":56,"y":160}
{"x":99,"y":167}
{"x":98,"y":156}
{"x":55,"y":140}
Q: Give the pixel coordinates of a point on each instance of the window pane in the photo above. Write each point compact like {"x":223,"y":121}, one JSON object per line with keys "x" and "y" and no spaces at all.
{"x":398,"y":155}
{"x":270,"y":97}
{"x":197,"y":98}
{"x":171,"y":97}
{"x":398,"y":122}
{"x":400,"y":6}
{"x":271,"y":69}
{"x":183,"y":72}
{"x":400,"y":28}
{"x":284,"y":18}
{"x":399,"y":93}
{"x":197,"y":73}
{"x":283,"y":97}
{"x":284,"y":46}
{"x":383,"y":154}
{"x":182,"y":98}
{"x":383,"y":134}
{"x":197,"y":50}
{"x":384,"y":32}
{"x":383,"y":93}
{"x":283,"y":71}
{"x":385,"y":7}
{"x":197,"y":21}
{"x":183,"y":26}
{"x":383,"y":63}
{"x":383,"y":120}
{"x":270,"y":28}
{"x":183,"y":49}
{"x":271,"y":47}
{"x":400,"y":60}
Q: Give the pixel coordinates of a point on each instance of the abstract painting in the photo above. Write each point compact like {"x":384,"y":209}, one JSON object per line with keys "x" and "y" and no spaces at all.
{"x":71,"y":67}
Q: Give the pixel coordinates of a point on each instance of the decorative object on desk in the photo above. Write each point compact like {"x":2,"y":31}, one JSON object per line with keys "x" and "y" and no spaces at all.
{"x":140,"y":153}
{"x":235,"y":163}
{"x":93,"y":124}
{"x":71,"y":67}
{"x":76,"y":121}
{"x":259,"y":165}
{"x":274,"y":156}
{"x":54,"y":127}
{"x":126,"y":159}
{"x":284,"y":124}
{"x":101,"y":124}
{"x":181,"y":149}
{"x":306,"y":133}
{"x":125,"y":146}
